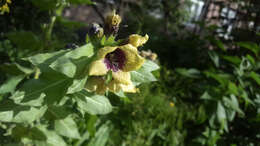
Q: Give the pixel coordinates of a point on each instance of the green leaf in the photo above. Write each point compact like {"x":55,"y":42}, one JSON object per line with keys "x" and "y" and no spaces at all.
{"x":28,"y":116}
{"x":88,"y":2}
{"x":57,"y":112}
{"x":214,"y":57}
{"x":233,"y":103}
{"x":52,"y":87}
{"x":6,"y":116}
{"x":230,"y":114}
{"x":18,"y":98}
{"x":103,"y":40}
{"x":220,"y":77}
{"x":150,"y":65}
{"x":256,"y":77}
{"x":232,"y":88}
{"x":45,"y":4}
{"x":110,"y":41}
{"x":53,"y":139}
{"x":233,"y":59}
{"x":45,"y":58}
{"x":192,"y":73}
{"x":77,"y":85}
{"x":32,"y":133}
{"x":250,"y":46}
{"x":221,"y":116}
{"x":91,"y":122}
{"x":10,"y":84}
{"x":69,"y":24}
{"x":220,"y":45}
{"x":11,"y":112}
{"x":92,"y":104}
{"x":83,"y":51}
{"x":101,"y":136}
{"x":121,"y":94}
{"x":206,"y":96}
{"x":15,"y":69}
{"x":221,"y":113}
{"x":25,"y":40}
{"x":67,"y":66}
{"x":251,"y":59}
{"x":144,"y":73}
{"x":67,"y":127}
{"x":108,"y":77}
{"x":142,"y":76}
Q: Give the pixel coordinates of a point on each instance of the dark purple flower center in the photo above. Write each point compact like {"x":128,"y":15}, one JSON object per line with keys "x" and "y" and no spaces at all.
{"x":115,"y":60}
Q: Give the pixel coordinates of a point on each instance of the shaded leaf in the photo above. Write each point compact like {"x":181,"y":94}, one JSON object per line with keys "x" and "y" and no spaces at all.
{"x":192,"y":73}
{"x":101,"y":136}
{"x":250,"y":46}
{"x":25,"y":40}
{"x":256,"y":77}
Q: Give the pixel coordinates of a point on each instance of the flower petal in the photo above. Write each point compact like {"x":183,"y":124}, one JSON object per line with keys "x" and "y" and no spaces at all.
{"x":104,"y":51}
{"x":137,"y":40}
{"x":128,"y":88}
{"x":133,"y":60}
{"x":96,"y":84}
{"x":115,"y":87}
{"x":98,"y":68}
{"x":122,"y":77}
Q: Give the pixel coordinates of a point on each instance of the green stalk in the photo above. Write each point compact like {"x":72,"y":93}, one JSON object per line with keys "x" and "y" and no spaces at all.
{"x":50,"y":28}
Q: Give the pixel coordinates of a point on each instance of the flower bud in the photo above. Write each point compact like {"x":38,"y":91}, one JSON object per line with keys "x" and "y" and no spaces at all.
{"x":149,"y":55}
{"x":172,"y":104}
{"x":96,"y":30}
{"x":4,"y":8}
{"x":112,"y":23}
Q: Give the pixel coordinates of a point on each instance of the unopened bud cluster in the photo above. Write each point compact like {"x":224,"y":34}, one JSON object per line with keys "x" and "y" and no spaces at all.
{"x":112,"y":23}
{"x":96,"y":30}
{"x":149,"y":55}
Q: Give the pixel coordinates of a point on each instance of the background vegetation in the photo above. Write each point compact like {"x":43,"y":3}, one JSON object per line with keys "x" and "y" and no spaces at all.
{"x":207,"y":91}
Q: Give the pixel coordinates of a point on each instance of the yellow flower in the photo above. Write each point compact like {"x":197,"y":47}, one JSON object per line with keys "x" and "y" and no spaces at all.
{"x":5,"y":8}
{"x":137,"y":40}
{"x":8,"y":1}
{"x":171,"y":104}
{"x":97,"y":84}
{"x":113,"y":19}
{"x":115,"y":87}
{"x":120,"y":60}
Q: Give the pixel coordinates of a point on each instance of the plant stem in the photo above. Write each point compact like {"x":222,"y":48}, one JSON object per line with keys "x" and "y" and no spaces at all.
{"x":50,"y":28}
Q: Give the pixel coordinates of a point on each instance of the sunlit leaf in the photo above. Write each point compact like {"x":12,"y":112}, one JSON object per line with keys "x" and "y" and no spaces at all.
{"x":10,"y":84}
{"x":93,"y":104}
{"x":67,"y":127}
